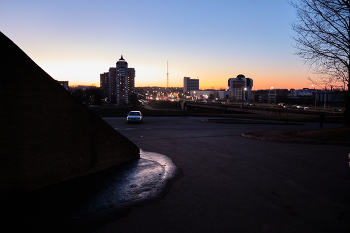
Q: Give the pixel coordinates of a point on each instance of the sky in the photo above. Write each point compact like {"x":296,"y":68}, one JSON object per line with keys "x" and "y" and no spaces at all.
{"x":212,"y":40}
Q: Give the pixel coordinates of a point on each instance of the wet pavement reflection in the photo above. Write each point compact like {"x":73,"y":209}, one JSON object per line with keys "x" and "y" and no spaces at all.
{"x":86,"y":202}
{"x":138,"y":181}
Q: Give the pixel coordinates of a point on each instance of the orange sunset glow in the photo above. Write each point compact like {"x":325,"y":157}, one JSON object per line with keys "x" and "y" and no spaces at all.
{"x":209,"y":43}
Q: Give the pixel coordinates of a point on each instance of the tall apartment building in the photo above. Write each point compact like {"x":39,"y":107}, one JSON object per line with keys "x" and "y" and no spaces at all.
{"x":104,"y":85}
{"x":190,"y":84}
{"x":240,"y":87}
{"x":118,"y":83}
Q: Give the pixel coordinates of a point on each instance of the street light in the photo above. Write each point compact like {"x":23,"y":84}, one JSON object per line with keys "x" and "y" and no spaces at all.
{"x":269,"y":92}
{"x":244,"y":94}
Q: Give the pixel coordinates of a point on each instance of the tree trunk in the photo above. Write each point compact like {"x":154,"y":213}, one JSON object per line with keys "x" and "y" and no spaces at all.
{"x":347,"y":100}
{"x":347,"y":107}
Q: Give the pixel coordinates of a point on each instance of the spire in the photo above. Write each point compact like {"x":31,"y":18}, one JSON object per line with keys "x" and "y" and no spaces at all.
{"x":121,"y":58}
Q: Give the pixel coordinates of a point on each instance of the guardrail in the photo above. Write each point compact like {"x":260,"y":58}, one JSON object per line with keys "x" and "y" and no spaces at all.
{"x":258,"y":108}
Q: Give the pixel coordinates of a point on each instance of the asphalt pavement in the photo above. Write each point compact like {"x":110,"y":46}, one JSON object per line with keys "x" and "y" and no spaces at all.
{"x":227,"y":183}
{"x":199,"y":176}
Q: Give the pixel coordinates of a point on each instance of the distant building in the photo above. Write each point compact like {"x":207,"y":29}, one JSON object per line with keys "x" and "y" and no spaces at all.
{"x":64,"y":84}
{"x":303,"y":96}
{"x":209,"y":94}
{"x":104,"y":85}
{"x":322,"y":96}
{"x":271,"y":96}
{"x":119,"y":83}
{"x":305,"y":92}
{"x":240,"y":87}
{"x":190,"y":84}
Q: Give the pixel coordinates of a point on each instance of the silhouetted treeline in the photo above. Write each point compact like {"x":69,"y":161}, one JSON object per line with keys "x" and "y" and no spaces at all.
{"x":87,"y":96}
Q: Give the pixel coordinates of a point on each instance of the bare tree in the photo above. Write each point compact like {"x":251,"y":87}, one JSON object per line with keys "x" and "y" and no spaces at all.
{"x":322,"y":40}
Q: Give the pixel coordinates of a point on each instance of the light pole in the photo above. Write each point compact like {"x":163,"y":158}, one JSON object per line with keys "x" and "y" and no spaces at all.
{"x":274,"y":100}
{"x":315,"y":94}
{"x":244,"y":94}
{"x":269,"y":93}
{"x":324,"y":98}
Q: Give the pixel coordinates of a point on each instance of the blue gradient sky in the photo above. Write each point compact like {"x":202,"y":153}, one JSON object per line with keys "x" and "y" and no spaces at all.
{"x":212,"y":40}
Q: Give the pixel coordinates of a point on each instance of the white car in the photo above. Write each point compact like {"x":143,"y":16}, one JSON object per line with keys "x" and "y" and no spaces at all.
{"x":134,"y":116}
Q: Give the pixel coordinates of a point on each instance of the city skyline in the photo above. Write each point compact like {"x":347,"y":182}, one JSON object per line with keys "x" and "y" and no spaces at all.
{"x":76,"y":41}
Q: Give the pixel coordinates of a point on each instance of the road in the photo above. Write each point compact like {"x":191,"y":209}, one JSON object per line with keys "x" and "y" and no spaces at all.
{"x":227,"y":183}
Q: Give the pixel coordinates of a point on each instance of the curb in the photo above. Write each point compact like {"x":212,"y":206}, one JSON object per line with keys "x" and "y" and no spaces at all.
{"x":297,"y":141}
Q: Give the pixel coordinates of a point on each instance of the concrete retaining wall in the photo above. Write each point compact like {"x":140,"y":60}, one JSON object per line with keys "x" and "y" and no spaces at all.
{"x":46,"y":135}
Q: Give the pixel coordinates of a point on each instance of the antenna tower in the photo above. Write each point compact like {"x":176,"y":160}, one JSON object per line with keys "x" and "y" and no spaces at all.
{"x":167,"y":75}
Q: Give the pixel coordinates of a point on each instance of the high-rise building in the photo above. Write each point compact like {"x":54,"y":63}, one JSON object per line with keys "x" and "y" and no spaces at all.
{"x":240,"y":87}
{"x":190,"y":84}
{"x":104,"y":85}
{"x":119,"y":83}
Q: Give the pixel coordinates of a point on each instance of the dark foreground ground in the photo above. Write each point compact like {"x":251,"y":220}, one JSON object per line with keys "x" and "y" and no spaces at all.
{"x":337,"y":135}
{"x":224,"y":183}
{"x":227,"y":183}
